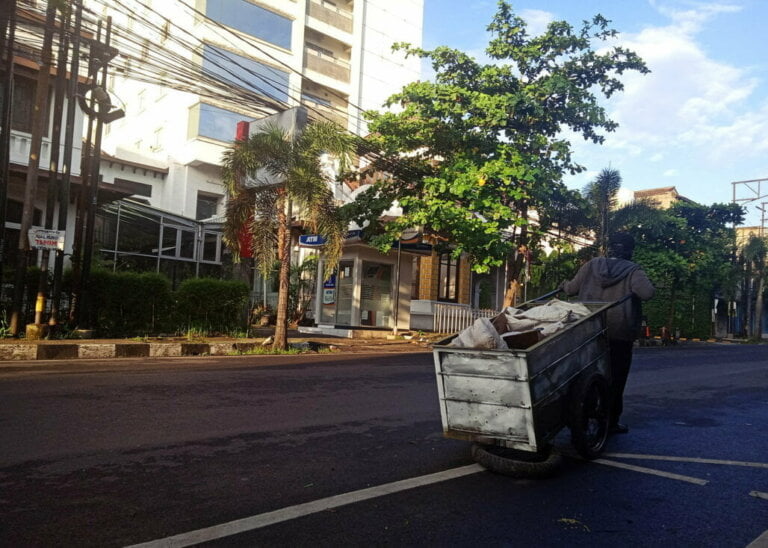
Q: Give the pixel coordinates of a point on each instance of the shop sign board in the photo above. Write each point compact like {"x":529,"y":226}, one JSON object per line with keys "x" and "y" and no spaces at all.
{"x":40,"y":238}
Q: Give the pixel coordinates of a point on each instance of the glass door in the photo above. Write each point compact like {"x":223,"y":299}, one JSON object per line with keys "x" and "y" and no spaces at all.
{"x":337,"y":294}
{"x":376,"y":295}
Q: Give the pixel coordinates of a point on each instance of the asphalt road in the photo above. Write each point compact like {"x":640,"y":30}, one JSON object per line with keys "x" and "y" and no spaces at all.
{"x":313,"y":450}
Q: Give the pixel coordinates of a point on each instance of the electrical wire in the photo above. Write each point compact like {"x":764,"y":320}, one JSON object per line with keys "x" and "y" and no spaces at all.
{"x":175,"y":70}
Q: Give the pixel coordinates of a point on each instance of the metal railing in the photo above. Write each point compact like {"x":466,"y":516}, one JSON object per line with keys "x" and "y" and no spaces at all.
{"x":337,"y":17}
{"x":452,"y":318}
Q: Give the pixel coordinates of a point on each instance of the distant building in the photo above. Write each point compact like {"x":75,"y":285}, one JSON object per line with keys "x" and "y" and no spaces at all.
{"x":662,"y":198}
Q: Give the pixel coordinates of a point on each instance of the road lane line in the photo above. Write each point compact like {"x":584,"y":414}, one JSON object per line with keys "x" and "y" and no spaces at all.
{"x":651,"y":471}
{"x":687,"y":459}
{"x":759,"y":494}
{"x":760,"y":542}
{"x":300,"y":510}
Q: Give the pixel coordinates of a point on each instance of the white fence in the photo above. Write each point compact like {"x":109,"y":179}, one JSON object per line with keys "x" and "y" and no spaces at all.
{"x":452,"y":318}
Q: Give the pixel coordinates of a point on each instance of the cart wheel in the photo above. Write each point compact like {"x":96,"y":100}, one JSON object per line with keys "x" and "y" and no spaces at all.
{"x":589,"y":415}
{"x":518,"y":464}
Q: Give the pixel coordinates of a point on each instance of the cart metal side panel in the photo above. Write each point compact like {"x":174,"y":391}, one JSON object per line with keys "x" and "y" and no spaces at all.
{"x":518,"y":396}
{"x":491,"y":400}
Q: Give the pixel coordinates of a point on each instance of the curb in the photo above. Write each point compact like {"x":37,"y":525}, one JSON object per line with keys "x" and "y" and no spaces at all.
{"x":48,"y":350}
{"x":70,"y":351}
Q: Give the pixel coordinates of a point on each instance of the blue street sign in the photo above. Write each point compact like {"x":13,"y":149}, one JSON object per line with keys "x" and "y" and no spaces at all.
{"x":311,"y":240}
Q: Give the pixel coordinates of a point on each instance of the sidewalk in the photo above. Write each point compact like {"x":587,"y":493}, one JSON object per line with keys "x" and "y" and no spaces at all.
{"x":156,"y":347}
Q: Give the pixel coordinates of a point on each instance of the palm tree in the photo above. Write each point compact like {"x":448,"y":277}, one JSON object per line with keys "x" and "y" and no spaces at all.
{"x":265,"y":175}
{"x":601,"y":193}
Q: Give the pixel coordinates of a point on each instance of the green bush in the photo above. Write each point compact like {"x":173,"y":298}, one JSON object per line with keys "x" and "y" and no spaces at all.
{"x":211,"y":306}
{"x":129,"y":303}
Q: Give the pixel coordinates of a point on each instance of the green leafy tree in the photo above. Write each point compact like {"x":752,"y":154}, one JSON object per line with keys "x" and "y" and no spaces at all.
{"x":687,"y":251}
{"x":474,"y":152}
{"x":268,"y":174}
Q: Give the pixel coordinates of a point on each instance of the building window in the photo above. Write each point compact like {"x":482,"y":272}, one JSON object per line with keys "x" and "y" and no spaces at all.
{"x":24,"y":91}
{"x":448,"y":278}
{"x":139,"y":189}
{"x":245,"y":73}
{"x":216,"y":123}
{"x":207,"y":206}
{"x":158,"y":140}
{"x":252,"y":19}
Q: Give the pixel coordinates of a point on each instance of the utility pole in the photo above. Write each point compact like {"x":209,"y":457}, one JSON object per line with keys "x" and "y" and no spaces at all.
{"x":33,"y":165}
{"x":53,"y":170}
{"x":104,"y":106}
{"x":8,"y":30}
{"x":66,"y":164}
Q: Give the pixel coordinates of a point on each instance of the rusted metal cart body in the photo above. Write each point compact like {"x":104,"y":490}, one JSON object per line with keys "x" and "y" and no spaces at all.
{"x":521,"y":399}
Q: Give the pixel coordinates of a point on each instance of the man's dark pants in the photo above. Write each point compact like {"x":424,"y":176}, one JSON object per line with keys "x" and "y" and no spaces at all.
{"x":621,"y":360}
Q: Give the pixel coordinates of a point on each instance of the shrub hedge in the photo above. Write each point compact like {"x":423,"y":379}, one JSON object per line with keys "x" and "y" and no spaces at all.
{"x":211,"y":306}
{"x":130,"y":303}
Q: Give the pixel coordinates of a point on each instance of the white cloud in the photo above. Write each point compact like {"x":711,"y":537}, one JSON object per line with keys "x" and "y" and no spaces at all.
{"x":670,"y":173}
{"x":689,"y":99}
{"x":537,"y":20}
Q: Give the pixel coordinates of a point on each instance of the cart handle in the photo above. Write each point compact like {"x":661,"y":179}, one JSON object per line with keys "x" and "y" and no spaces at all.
{"x":559,"y":289}
{"x":547,"y":295}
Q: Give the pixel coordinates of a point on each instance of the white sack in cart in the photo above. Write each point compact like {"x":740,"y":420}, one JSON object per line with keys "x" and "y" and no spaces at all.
{"x":550,"y":317}
{"x":481,"y":334}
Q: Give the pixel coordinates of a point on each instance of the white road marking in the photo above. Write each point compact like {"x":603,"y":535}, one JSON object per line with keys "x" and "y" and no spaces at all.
{"x":758,"y":494}
{"x":299,"y":510}
{"x":687,"y":459}
{"x":651,"y":471}
{"x":760,"y":542}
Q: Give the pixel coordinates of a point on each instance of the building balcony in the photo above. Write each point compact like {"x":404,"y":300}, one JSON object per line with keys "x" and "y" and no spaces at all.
{"x":336,"y":17}
{"x":325,"y":113}
{"x":202,"y":151}
{"x":327,"y":65}
{"x":20,"y":147}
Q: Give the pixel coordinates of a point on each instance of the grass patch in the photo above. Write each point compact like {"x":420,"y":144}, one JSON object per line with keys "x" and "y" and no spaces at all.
{"x":266,"y":351}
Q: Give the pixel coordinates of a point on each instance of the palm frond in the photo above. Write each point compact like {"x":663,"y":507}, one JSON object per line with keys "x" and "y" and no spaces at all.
{"x":239,"y":211}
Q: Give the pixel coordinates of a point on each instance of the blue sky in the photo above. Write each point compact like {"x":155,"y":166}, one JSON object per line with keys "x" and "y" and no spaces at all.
{"x":698,"y":122}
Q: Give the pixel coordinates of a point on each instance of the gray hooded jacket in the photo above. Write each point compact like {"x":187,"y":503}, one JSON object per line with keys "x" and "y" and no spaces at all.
{"x":607,"y":280}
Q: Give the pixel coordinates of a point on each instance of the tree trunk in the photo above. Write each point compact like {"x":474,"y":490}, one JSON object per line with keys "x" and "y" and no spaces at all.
{"x":747,"y":330}
{"x":757,"y":329}
{"x":284,"y":256}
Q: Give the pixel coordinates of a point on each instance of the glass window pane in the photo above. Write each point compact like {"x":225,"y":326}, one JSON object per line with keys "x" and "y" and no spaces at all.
{"x":246,"y":73}
{"x":138,"y":233}
{"x":206,"y":206}
{"x":251,"y":19}
{"x":210,"y":247}
{"x":187,"y":248}
{"x":217,"y":123}
{"x":169,"y":241}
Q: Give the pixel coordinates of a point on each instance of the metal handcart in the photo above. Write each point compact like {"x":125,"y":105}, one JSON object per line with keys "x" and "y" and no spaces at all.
{"x":520,"y":399}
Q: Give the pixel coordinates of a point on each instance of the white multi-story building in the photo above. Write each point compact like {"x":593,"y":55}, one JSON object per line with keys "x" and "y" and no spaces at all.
{"x":333,"y":57}
{"x":190,"y":70}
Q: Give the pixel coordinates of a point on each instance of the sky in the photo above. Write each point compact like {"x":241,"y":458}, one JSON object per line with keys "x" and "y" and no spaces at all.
{"x":698,"y":121}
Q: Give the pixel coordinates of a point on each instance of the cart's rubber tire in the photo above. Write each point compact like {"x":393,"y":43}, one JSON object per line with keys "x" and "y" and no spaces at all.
{"x":518,"y":464}
{"x":589,"y":415}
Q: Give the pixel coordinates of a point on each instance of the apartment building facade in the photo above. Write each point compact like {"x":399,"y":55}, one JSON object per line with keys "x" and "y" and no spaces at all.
{"x":230,"y":61}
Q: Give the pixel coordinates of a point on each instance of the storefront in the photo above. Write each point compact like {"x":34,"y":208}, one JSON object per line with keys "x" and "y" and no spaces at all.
{"x":363,"y":292}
